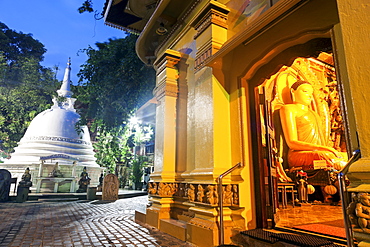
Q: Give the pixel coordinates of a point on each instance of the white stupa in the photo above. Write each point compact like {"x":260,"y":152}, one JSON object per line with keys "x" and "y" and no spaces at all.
{"x":52,"y":138}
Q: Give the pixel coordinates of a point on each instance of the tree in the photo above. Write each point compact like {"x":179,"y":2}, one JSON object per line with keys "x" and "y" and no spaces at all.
{"x":115,"y":150}
{"x":113,"y":82}
{"x":112,"y":148}
{"x":26,"y":87}
{"x":87,"y":6}
{"x":21,"y":101}
{"x":138,"y":165}
{"x":107,"y":150}
{"x":17,"y":45}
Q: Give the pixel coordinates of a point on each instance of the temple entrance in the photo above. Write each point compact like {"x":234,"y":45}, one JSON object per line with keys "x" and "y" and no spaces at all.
{"x":302,"y":146}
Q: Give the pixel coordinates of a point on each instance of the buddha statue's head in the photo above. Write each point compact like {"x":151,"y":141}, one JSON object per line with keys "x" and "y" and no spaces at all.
{"x":302,"y":92}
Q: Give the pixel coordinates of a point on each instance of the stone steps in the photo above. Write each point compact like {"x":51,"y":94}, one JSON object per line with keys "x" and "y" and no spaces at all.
{"x":58,"y":199}
{"x":78,"y":196}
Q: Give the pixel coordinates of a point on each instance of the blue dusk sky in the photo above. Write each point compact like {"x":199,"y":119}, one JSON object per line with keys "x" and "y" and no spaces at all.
{"x":60,"y":27}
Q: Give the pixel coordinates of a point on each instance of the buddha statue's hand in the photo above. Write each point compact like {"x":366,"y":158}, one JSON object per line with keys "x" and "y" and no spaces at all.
{"x":338,"y":165}
{"x":333,"y":151}
{"x":339,"y":161}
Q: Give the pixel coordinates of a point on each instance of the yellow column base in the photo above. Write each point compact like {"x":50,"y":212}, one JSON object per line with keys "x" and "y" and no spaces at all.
{"x":201,"y":236}
{"x":203,"y":229}
{"x":160,"y":209}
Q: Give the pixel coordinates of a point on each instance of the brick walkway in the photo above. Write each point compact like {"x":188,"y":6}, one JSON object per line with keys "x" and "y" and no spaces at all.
{"x":79,"y":223}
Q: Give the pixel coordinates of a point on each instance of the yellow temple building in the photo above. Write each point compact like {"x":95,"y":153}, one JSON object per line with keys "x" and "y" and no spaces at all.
{"x":225,"y":73}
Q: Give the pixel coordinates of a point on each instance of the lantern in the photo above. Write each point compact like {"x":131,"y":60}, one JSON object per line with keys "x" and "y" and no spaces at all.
{"x":330,"y":189}
{"x":310,"y":189}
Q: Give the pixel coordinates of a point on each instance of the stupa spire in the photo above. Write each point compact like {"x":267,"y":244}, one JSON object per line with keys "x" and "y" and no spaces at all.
{"x":65,"y":89}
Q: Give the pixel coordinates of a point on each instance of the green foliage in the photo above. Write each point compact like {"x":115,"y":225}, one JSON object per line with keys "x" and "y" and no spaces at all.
{"x":113,"y":82}
{"x":86,"y":6}
{"x":17,"y":45}
{"x":123,"y":175}
{"x":26,"y":88}
{"x":138,"y":163}
{"x":20,"y":103}
{"x":114,"y":150}
{"x":107,"y":149}
{"x":113,"y":147}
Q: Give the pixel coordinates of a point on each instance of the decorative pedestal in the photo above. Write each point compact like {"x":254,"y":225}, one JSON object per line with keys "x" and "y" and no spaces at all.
{"x":22,"y":194}
{"x":56,"y":182}
{"x":91,"y":193}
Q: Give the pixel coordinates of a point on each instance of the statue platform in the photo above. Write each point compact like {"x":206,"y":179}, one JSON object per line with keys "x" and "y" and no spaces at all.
{"x":56,"y":181}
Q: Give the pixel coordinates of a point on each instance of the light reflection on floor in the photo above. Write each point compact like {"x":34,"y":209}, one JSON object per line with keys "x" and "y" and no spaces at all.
{"x":290,"y":216}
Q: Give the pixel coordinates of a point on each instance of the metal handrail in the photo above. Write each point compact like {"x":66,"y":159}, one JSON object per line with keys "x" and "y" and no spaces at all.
{"x":344,"y":197}
{"x":220,"y":200}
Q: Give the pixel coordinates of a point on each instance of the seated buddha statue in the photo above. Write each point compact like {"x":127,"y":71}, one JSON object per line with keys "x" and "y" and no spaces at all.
{"x":56,"y":172}
{"x":26,"y":179}
{"x":303,"y":133}
{"x":84,"y":181}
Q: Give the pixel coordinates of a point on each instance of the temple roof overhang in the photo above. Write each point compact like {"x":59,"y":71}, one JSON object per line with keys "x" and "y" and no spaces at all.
{"x":153,"y":20}
{"x":125,"y":15}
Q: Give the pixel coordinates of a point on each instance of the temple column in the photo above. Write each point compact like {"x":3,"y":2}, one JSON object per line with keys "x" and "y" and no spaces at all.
{"x":166,"y":92}
{"x":352,"y":39}
{"x":212,"y":107}
{"x":211,"y":143}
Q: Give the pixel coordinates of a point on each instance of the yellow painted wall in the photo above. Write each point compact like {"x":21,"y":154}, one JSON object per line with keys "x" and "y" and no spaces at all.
{"x":355,"y":19}
{"x":218,"y":108}
{"x":222,"y":130}
{"x":208,"y":128}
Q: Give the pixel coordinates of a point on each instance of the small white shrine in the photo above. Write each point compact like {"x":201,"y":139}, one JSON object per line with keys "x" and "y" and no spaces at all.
{"x":53,"y":143}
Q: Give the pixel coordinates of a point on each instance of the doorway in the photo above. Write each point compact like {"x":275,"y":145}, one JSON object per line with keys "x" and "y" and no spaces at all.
{"x":300,"y":197}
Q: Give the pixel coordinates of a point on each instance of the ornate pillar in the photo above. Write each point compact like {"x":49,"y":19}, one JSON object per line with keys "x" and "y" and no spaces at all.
{"x":353,"y":50}
{"x":212,"y":152}
{"x":211,"y":130}
{"x":166,"y":93}
{"x":211,"y":29}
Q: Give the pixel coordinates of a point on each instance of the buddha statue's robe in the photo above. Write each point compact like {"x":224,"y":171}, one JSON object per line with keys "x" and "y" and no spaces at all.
{"x":309,"y":130}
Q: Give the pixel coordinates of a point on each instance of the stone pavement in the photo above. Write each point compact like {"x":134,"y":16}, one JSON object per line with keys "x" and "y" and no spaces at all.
{"x":79,"y":223}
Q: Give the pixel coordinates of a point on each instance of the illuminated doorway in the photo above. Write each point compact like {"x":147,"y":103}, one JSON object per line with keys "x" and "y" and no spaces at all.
{"x":301,"y":197}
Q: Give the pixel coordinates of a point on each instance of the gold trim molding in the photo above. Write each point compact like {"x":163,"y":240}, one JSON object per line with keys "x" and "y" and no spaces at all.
{"x":212,"y":17}
{"x":166,"y":89}
{"x":168,"y":60}
{"x":168,"y":74}
{"x":213,"y":14}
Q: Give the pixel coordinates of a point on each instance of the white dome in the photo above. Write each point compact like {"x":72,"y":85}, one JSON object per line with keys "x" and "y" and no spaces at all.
{"x":55,"y":122}
{"x":52,"y":133}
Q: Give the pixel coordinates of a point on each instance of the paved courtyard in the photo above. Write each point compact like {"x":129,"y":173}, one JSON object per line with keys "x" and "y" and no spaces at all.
{"x":79,"y":223}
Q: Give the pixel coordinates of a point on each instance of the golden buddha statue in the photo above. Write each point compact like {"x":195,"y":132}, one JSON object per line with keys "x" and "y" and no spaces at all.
{"x":303,"y":132}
